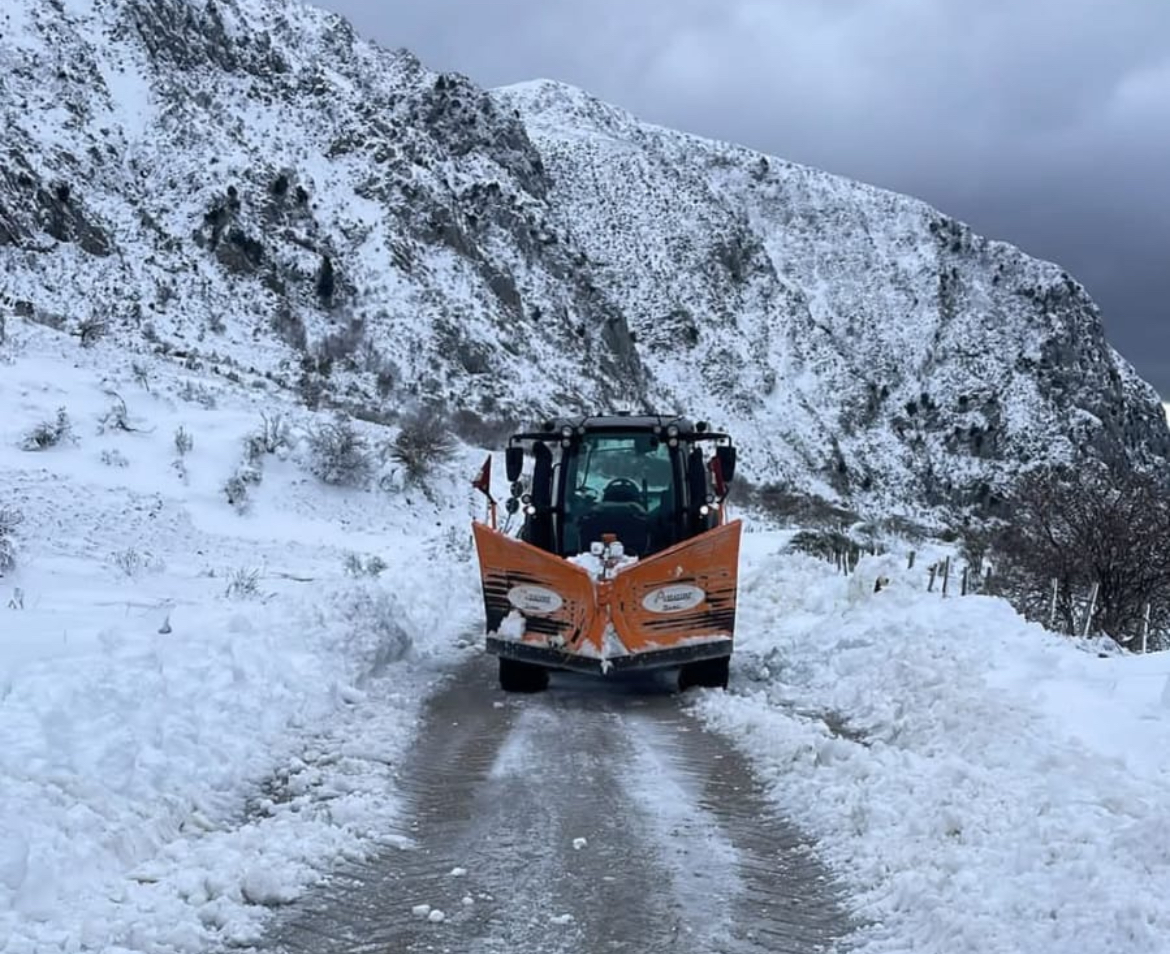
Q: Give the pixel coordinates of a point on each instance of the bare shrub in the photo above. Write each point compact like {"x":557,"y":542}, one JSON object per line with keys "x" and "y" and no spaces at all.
{"x":339,"y":454}
{"x":423,"y":441}
{"x":49,"y":433}
{"x":10,"y":519}
{"x":243,"y":584}
{"x":236,"y":488}
{"x":117,"y":417}
{"x":141,"y":375}
{"x":789,"y":506}
{"x":272,"y":437}
{"x":114,"y":458}
{"x":479,"y":431}
{"x":91,"y":330}
{"x":197,"y":394}
{"x":372,"y":566}
{"x":184,"y":442}
{"x":132,"y":562}
{"x":835,"y":546}
{"x":1077,"y":528}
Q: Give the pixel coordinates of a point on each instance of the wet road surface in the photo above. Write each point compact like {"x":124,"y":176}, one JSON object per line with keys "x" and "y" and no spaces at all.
{"x":595,"y":817}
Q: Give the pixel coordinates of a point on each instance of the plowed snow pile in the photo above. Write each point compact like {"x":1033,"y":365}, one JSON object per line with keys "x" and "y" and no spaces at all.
{"x":983,"y":786}
{"x":182,"y":739}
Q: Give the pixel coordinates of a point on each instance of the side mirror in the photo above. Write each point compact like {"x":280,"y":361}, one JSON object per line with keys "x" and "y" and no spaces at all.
{"x":514,"y":462}
{"x":726,"y":455}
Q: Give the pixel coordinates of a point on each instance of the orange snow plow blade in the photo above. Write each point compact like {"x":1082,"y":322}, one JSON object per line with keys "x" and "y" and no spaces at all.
{"x":673,"y":607}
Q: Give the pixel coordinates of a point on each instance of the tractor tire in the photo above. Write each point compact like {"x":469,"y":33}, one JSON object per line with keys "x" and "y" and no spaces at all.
{"x":707,"y":674}
{"x":516,"y":676}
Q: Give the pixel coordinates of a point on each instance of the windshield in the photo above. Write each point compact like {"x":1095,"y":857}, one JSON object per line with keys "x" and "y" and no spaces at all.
{"x":622,"y":484}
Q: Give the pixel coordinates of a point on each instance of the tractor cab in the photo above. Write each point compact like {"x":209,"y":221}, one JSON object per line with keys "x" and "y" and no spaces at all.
{"x":650,"y":482}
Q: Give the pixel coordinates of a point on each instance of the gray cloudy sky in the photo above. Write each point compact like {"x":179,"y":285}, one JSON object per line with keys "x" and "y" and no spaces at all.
{"x":1042,"y":122}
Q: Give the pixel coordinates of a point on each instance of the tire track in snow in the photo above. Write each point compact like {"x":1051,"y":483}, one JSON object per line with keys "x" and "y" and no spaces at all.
{"x":595,"y":817}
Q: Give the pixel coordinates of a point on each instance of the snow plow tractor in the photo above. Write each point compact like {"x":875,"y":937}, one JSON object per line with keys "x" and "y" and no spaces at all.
{"x":623,"y":558}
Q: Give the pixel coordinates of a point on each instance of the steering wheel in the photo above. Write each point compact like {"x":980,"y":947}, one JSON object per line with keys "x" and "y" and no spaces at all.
{"x":627,"y":491}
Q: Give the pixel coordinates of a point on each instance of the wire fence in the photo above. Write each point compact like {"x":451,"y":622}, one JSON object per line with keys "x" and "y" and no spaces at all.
{"x":947,"y":578}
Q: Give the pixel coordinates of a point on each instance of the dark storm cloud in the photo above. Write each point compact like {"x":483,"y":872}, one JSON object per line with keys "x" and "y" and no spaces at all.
{"x":1045,"y":123}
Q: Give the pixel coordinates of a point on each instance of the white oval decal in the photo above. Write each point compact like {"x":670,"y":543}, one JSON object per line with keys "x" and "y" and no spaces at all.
{"x":534,"y":599}
{"x":673,"y":599}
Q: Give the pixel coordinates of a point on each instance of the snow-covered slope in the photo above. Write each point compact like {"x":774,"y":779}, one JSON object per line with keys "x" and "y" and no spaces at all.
{"x":870,"y":340}
{"x":185,"y":739}
{"x":248,"y":181}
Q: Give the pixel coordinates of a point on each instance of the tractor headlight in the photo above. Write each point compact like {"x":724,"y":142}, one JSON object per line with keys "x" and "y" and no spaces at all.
{"x":597,"y":548}
{"x":567,"y":431}
{"x":672,"y":430}
{"x":616,"y":549}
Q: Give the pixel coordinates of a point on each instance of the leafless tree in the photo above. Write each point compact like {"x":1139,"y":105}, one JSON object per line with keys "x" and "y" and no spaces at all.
{"x":1086,"y":526}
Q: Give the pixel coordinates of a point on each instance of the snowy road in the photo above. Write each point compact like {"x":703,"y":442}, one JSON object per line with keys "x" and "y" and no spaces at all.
{"x":594,"y":817}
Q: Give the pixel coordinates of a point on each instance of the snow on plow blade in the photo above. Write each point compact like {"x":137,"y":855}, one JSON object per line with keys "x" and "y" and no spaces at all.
{"x":673,"y":607}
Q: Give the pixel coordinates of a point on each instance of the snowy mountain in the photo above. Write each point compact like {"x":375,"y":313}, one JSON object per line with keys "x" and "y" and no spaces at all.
{"x":247,"y":184}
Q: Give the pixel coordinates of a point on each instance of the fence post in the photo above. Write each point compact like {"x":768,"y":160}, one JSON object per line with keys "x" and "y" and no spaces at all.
{"x":910,"y":564}
{"x":1052,"y":608}
{"x":933,"y":571}
{"x":1092,"y":609}
{"x":1146,"y":628}
{"x":963,"y":582}
{"x":946,"y":574}
{"x":987,"y":582}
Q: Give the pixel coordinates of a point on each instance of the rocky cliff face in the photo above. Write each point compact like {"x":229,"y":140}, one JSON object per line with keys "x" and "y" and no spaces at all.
{"x":244,"y":182}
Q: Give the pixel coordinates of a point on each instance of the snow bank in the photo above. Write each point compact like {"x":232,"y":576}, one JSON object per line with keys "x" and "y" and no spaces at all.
{"x":981,"y":785}
{"x":200,"y":706}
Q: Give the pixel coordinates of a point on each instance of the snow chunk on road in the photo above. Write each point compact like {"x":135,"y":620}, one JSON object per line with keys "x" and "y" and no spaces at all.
{"x":579,"y":843}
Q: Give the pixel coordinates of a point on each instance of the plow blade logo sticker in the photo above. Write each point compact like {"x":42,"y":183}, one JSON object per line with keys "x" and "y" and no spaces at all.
{"x":673,"y":599}
{"x":536,"y":600}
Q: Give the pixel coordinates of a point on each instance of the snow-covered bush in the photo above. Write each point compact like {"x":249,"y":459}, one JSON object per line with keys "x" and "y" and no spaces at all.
{"x":197,"y":394}
{"x":236,"y":487}
{"x":10,"y":519}
{"x":184,"y":442}
{"x":91,"y":330}
{"x":479,"y":431}
{"x":49,"y":433}
{"x":131,"y":562}
{"x":117,"y":416}
{"x":371,"y":566}
{"x":273,"y":436}
{"x":423,"y":441}
{"x":339,"y":454}
{"x":243,"y":584}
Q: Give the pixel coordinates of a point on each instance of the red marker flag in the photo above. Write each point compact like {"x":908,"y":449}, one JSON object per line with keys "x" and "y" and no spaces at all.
{"x":483,"y":483}
{"x":716,"y":469}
